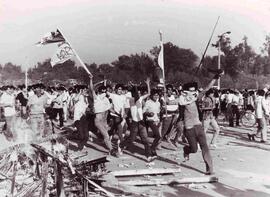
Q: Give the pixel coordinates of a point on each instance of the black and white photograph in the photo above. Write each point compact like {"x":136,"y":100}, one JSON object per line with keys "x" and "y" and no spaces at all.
{"x":134,"y":98}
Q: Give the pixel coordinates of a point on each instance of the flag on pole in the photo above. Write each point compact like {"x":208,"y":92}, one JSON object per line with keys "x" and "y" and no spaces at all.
{"x":161,"y":57}
{"x":52,"y":37}
{"x":63,"y":53}
{"x":161,"y":63}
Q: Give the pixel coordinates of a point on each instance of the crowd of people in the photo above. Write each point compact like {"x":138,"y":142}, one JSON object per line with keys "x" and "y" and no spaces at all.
{"x":121,"y":113}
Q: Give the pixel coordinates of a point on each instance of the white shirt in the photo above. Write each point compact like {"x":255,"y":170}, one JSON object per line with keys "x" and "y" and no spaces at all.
{"x":118,"y":102}
{"x":80,"y":107}
{"x":37,"y":104}
{"x":51,"y":97}
{"x":171,"y":107}
{"x":101,"y":103}
{"x":260,"y":107}
{"x":152,"y":106}
{"x":229,"y":98}
{"x":7,"y":99}
{"x":136,"y":109}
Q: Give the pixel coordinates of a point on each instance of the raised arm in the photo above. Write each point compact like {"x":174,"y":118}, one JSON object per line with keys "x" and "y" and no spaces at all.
{"x":147,"y":81}
{"x":187,"y":99}
{"x":91,"y":87}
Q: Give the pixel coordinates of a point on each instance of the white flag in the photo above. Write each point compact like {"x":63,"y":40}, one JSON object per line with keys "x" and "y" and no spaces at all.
{"x":63,"y":53}
{"x":161,"y":57}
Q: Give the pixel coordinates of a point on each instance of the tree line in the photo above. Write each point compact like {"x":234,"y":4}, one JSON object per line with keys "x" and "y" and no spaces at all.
{"x":244,"y":68}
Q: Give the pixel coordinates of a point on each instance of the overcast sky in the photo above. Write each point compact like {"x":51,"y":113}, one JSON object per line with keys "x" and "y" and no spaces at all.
{"x":102,"y":30}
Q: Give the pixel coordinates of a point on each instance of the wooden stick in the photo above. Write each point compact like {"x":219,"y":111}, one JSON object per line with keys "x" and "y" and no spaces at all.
{"x":206,"y":179}
{"x":13,"y":178}
{"x":45,"y":172}
{"x":109,"y":194}
{"x":145,"y":171}
{"x":76,"y":55}
{"x":85,"y":188}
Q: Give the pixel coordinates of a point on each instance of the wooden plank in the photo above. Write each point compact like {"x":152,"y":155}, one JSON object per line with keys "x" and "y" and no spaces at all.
{"x":206,"y":179}
{"x":145,"y":172}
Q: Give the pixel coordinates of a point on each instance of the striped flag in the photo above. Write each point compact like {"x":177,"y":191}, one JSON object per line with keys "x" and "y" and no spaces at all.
{"x":52,"y":37}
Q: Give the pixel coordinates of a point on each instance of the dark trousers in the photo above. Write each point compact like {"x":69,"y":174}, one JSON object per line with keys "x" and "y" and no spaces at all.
{"x":154,"y":126}
{"x":167,"y":125}
{"x":117,"y":129}
{"x":135,"y":128}
{"x":194,"y":136}
{"x":82,"y":127}
{"x":234,"y":112}
{"x":59,"y":111}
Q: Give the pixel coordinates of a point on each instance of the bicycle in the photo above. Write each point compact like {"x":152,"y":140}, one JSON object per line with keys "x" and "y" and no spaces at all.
{"x":247,"y":118}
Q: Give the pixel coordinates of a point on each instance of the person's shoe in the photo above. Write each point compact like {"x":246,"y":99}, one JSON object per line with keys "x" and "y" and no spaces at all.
{"x":184,"y":140}
{"x":186,"y":157}
{"x":209,"y":173}
{"x":150,"y":159}
{"x":171,"y":145}
{"x":114,"y":153}
{"x":120,"y":151}
{"x":262,"y":141}
{"x":249,"y":137}
{"x":154,"y":155}
{"x":175,"y":143}
{"x":214,"y":146}
{"x":159,"y":147}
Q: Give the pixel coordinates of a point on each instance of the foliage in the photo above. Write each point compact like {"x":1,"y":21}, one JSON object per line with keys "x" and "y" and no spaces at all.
{"x":244,"y":68}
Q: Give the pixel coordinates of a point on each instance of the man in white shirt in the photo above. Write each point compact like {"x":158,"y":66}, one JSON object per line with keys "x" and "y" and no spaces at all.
{"x":101,"y":108}
{"x":151,"y":111}
{"x":138,"y":125}
{"x":262,"y":113}
{"x":236,"y":102}
{"x":169,"y":118}
{"x":117,"y":113}
{"x":7,"y":101}
{"x":58,"y":105}
{"x":36,"y":106}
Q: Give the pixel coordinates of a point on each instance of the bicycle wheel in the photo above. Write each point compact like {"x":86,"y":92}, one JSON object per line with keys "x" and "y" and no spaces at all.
{"x":222,"y":119}
{"x":248,"y":119}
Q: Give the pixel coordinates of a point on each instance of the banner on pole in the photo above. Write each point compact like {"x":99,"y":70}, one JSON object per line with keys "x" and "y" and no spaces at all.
{"x":161,"y":57}
{"x":52,"y":37}
{"x":63,"y":53}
